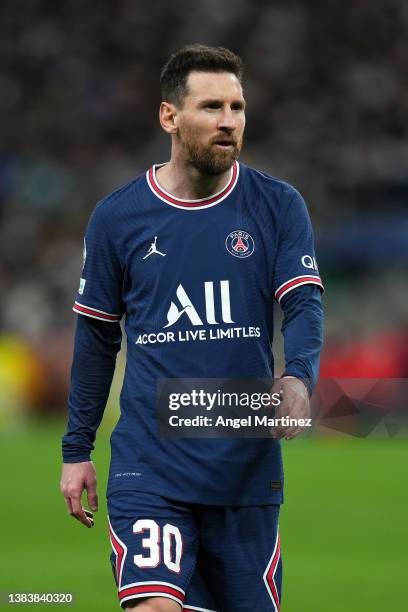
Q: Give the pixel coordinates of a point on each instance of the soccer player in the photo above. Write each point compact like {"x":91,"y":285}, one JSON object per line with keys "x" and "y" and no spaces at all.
{"x":201,"y":242}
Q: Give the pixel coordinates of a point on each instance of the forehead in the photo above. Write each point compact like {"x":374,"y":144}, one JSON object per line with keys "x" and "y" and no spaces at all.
{"x":213,"y":85}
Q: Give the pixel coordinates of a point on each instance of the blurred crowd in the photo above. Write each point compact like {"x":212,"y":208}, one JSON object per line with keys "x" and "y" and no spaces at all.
{"x":327,"y":91}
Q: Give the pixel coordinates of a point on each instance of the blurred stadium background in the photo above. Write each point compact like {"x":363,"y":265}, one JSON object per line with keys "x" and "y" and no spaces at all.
{"x":327,"y":91}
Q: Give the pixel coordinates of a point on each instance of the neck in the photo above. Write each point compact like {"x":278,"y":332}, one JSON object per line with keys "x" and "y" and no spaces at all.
{"x":187,"y":183}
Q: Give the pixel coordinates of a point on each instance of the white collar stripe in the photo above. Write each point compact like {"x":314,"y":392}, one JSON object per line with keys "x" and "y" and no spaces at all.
{"x":192,"y":204}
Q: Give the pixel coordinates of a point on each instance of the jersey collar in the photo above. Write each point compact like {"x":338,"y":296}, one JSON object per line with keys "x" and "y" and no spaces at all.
{"x":191,"y":204}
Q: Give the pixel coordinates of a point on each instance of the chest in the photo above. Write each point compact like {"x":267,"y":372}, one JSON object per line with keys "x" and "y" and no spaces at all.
{"x":168,"y":246}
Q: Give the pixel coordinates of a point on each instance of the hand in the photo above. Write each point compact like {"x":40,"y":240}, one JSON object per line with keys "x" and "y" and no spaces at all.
{"x":74,"y":479}
{"x":294,"y":404}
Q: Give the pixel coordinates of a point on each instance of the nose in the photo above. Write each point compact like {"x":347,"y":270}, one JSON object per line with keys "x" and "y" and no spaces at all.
{"x":226,"y":121}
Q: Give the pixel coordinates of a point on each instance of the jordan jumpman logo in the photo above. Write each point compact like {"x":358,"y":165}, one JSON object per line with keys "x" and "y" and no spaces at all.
{"x":153,"y":249}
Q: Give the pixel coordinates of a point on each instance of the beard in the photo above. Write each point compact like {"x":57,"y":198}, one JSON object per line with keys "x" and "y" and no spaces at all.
{"x":207,"y":159}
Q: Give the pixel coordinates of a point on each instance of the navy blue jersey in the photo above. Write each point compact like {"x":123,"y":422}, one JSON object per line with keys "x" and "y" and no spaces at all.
{"x":196,"y":281}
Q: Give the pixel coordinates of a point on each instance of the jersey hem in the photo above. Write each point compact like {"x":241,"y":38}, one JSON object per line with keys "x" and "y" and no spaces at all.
{"x":273,"y":499}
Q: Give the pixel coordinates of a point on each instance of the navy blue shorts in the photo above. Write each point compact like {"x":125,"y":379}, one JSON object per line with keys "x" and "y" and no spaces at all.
{"x":206,"y":558}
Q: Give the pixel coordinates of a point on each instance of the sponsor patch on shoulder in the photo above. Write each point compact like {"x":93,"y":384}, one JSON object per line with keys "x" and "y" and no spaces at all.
{"x":81,"y":288}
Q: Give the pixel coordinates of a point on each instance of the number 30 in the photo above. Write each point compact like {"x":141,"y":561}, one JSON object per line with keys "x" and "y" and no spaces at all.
{"x":171,"y":534}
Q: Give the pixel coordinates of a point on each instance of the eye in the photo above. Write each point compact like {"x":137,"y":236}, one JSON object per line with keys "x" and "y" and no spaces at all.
{"x":212,"y":105}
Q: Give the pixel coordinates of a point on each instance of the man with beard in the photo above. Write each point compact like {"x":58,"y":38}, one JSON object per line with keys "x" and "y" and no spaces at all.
{"x":193,"y":253}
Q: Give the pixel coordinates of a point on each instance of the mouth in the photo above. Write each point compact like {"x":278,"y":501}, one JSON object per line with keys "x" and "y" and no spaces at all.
{"x":224,"y":144}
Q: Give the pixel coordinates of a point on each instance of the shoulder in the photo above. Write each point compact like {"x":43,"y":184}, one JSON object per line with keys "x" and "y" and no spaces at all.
{"x":274,"y":190}
{"x":112,"y":206}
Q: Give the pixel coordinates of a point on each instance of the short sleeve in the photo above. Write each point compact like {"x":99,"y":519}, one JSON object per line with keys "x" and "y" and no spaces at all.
{"x":100,"y":287}
{"x":295,"y":263}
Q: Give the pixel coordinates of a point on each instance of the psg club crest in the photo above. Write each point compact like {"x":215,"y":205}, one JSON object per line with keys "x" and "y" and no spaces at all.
{"x":240,"y":244}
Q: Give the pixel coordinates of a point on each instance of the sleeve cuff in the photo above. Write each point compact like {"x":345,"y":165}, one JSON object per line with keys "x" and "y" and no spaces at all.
{"x":95,"y":313}
{"x":75,"y":456}
{"x":295,"y":282}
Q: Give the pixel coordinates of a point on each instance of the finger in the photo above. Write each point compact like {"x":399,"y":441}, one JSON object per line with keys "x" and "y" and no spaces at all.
{"x":280,"y":429}
{"x":295,"y":411}
{"x":89,"y":516}
{"x":293,"y":428}
{"x":300,"y":426}
{"x":92,"y":498}
{"x":79,"y":513}
{"x":90,"y":522}
{"x":293,"y":432}
{"x":287,"y":431}
{"x":278,"y":432}
{"x":68,"y":504}
{"x":86,"y":518}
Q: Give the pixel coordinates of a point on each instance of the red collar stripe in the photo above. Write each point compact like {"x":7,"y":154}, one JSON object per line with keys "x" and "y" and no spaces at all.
{"x":192,"y":204}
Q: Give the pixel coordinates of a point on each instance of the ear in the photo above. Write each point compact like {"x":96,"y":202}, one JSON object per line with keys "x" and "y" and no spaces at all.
{"x":168,"y":117}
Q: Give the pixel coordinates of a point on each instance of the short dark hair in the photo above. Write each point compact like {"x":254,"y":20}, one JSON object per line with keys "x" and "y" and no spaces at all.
{"x":174,"y":75}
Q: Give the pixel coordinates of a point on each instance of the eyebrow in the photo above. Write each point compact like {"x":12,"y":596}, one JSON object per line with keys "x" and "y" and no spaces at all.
{"x":239,"y":101}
